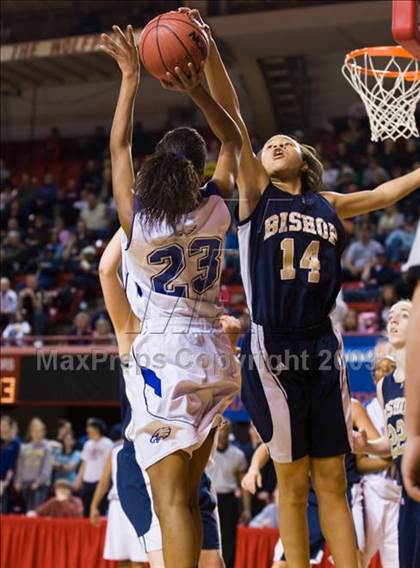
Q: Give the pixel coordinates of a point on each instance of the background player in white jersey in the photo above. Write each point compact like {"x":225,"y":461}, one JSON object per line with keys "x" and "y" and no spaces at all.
{"x":174,"y":250}
{"x":390,"y":392}
{"x":121,"y":541}
{"x":381,"y":492}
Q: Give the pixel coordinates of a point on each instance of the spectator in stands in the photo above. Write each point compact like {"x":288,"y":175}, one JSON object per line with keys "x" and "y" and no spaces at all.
{"x":33,"y":300}
{"x":34,"y":466}
{"x":86,"y":271}
{"x":378,"y":272}
{"x":399,"y":242}
{"x":16,"y":329}
{"x":330,"y":175}
{"x":67,"y":459}
{"x":62,"y":505}
{"x":103,"y":332}
{"x":230,"y":466}
{"x":15,"y":251}
{"x":268,"y":517}
{"x":351,"y":321}
{"x":389,"y":220}
{"x":361,"y":252}
{"x":8,"y":302}
{"x":81,"y":327}
{"x":64,"y":427}
{"x":47,"y":192}
{"x":9,"y":451}
{"x":91,"y":178}
{"x":95,"y":216}
{"x":94,"y":455}
{"x":387,"y":298}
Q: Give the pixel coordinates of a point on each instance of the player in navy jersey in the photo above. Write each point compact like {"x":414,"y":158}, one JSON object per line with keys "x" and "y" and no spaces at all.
{"x":174,"y":248}
{"x":391,"y":395}
{"x":294,"y":381}
{"x":411,"y":461}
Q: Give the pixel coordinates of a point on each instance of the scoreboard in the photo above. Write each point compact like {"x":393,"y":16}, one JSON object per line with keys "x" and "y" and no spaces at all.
{"x":65,"y":376}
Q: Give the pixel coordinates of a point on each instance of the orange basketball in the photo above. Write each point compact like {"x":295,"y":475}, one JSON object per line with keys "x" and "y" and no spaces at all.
{"x":169,"y":40}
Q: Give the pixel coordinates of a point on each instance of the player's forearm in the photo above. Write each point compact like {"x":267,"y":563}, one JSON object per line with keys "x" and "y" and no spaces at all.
{"x":122,"y":125}
{"x":392,"y":191}
{"x":259,"y":459}
{"x":366,"y":464}
{"x":379,"y":447}
{"x":412,"y":385}
{"x":111,"y":257}
{"x":221,"y":124}
{"x":220,"y":85}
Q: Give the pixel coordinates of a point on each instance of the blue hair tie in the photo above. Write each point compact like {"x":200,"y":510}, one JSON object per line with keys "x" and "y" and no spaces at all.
{"x":180,"y":155}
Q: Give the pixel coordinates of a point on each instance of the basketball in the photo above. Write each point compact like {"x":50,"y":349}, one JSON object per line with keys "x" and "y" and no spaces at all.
{"x":169,"y":40}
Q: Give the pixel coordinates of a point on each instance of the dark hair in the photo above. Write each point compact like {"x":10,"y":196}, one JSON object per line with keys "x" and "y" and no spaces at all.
{"x":97,"y":423}
{"x":168,"y":183}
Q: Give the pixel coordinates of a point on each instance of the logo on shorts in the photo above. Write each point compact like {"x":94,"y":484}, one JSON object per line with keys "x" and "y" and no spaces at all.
{"x":160,"y":434}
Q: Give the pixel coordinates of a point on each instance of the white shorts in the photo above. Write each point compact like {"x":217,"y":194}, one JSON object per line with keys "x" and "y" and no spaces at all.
{"x":121,"y":541}
{"x":381,"y":527}
{"x":357,"y":511}
{"x":184,"y":381}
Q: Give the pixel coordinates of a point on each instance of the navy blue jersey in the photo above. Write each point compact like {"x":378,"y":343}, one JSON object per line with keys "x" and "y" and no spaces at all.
{"x":394,"y":410}
{"x":290,"y":251}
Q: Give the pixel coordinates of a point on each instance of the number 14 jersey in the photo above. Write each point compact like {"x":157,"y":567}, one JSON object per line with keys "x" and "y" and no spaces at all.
{"x":290,"y":249}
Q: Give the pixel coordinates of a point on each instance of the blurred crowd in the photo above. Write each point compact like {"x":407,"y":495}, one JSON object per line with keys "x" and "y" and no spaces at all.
{"x":57,"y":213}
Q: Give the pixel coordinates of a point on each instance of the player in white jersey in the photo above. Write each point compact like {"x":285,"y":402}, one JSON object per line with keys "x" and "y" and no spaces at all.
{"x":131,"y":483}
{"x":186,"y":371}
{"x":121,"y":541}
{"x":381,"y":492}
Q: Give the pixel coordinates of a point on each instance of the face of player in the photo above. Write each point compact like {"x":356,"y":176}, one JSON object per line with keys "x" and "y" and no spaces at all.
{"x":397,"y":324}
{"x":383,"y":368}
{"x":282,"y":156}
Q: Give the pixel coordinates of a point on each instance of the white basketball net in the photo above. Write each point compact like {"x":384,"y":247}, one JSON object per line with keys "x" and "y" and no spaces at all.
{"x":390,"y":101}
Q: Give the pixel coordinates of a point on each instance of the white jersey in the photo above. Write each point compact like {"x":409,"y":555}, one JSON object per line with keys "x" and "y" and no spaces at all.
{"x":177,"y":273}
{"x":381,"y":482}
{"x":182,"y":374}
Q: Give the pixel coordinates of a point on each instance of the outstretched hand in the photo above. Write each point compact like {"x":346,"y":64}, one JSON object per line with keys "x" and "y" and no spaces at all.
{"x":197,"y":18}
{"x":180,"y":81}
{"x":251,"y":481}
{"x":123,"y":50}
{"x":360,"y":442}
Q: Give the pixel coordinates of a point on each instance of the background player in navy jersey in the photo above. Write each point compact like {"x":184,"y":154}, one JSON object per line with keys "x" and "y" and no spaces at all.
{"x":291,"y":239}
{"x":126,"y":326}
{"x":174,"y":249}
{"x":411,"y":461}
{"x":391,"y":395}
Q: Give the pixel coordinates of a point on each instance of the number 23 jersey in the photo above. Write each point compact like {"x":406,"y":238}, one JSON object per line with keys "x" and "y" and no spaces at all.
{"x":290,"y":249}
{"x":177,"y":273}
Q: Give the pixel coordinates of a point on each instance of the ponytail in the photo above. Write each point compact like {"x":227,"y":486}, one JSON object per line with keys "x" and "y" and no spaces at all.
{"x":312,"y":176}
{"x":168,"y":187}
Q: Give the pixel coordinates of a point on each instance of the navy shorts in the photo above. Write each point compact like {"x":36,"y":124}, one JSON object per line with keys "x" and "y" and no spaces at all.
{"x":409,"y":532}
{"x":295,"y":389}
{"x":209,"y":516}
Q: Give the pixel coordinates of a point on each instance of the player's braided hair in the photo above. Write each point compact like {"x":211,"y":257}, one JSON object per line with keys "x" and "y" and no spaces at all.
{"x":312,"y":177}
{"x":168,"y":183}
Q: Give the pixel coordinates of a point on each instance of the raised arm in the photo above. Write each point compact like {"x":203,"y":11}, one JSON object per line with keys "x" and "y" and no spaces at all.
{"x":124,"y":322}
{"x":125,"y":53}
{"x":221,"y":124}
{"x":252,"y":178}
{"x":385,"y":195}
